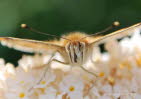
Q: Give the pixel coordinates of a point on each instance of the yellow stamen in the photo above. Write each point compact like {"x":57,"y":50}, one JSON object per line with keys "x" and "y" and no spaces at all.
{"x":58,"y":93}
{"x":71,"y":88}
{"x":43,"y":82}
{"x":125,"y":64}
{"x":138,"y":61}
{"x":36,"y":94}
{"x":21,"y":82}
{"x":42,"y":90}
{"x":101,"y":74}
{"x":22,"y":95}
{"x":121,"y":66}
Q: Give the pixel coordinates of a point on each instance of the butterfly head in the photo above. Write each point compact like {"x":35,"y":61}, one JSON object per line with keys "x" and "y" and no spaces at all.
{"x":76,"y":52}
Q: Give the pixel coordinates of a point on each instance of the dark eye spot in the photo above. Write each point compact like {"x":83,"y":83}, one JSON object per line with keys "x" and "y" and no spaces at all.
{"x":69,"y":50}
{"x":80,"y":46}
{"x":75,"y":57}
{"x":74,"y":54}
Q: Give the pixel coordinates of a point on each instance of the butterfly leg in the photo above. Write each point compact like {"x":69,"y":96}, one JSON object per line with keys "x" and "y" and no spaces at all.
{"x":89,"y":71}
{"x":93,"y":82}
{"x":47,"y":67}
{"x":64,"y":63}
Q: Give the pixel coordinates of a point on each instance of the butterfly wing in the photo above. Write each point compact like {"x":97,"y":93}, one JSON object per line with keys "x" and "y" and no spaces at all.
{"x":117,"y":34}
{"x":27,"y":45}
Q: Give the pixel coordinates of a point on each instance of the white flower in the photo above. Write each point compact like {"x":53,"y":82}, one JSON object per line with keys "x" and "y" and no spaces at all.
{"x":72,"y":86}
{"x":35,"y":61}
{"x":50,"y":93}
{"x":17,"y":94}
{"x":48,"y":78}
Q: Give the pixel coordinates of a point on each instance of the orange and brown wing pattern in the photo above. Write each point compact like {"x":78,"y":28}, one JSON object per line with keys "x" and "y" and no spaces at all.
{"x":118,"y":34}
{"x":27,"y":45}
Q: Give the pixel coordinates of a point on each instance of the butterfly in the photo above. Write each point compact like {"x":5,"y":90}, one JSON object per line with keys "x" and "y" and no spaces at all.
{"x":75,"y":47}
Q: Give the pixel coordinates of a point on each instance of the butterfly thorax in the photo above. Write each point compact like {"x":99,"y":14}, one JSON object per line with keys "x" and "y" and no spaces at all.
{"x":76,"y":52}
{"x":75,"y":36}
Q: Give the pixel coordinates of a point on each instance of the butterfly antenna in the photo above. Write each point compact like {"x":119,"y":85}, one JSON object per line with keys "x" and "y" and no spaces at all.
{"x":24,"y":26}
{"x":115,"y":24}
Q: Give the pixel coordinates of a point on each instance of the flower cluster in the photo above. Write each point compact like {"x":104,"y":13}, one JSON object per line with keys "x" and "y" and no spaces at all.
{"x":118,"y":70}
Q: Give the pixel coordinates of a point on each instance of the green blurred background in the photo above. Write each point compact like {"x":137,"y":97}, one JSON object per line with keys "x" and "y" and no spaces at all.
{"x":62,"y":16}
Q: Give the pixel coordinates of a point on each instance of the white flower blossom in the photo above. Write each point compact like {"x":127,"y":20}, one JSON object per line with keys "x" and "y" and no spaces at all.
{"x":72,"y":88}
